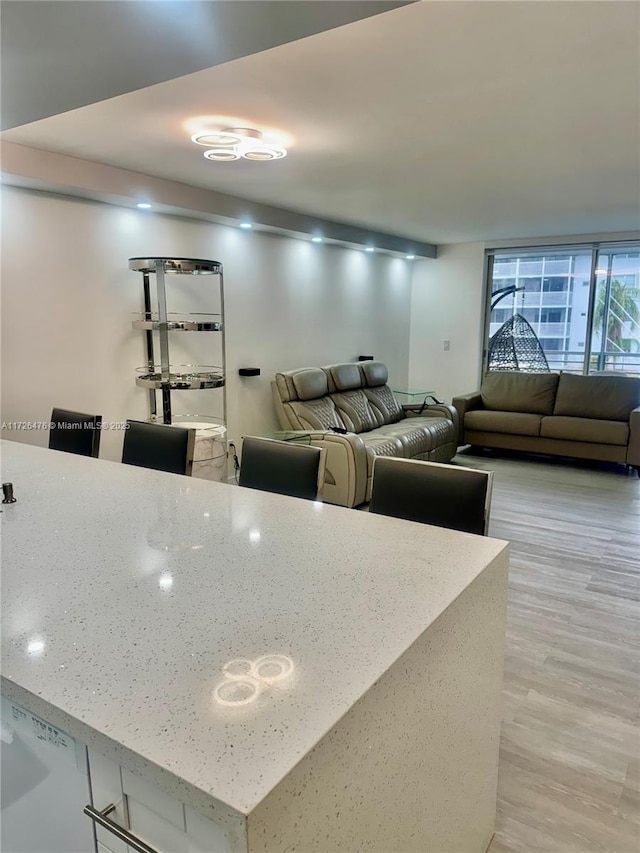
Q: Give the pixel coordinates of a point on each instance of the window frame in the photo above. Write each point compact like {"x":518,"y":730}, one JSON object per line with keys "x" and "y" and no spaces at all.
{"x":534,"y":251}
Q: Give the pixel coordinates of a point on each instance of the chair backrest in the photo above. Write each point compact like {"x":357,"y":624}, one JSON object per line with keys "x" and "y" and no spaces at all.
{"x":432,"y":493}
{"x":159,"y":446}
{"x":350,"y":396}
{"x":75,"y":432}
{"x":284,"y":467}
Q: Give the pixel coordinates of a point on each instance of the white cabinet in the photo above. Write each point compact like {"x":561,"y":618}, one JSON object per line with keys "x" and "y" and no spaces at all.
{"x":106,"y":788}
{"x":161,"y":821}
{"x":49,"y":777}
{"x":45,"y":786}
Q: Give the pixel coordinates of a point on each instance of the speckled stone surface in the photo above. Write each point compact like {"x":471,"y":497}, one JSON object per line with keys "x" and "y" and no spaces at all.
{"x":413,"y":765}
{"x":139,"y":608}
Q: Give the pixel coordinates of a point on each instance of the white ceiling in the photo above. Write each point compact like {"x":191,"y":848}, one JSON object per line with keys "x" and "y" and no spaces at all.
{"x":442,"y":121}
{"x":59,"y":55}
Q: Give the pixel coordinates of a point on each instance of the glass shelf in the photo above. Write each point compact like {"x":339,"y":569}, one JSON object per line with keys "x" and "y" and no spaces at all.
{"x":181,"y":323}
{"x":176,"y":266}
{"x":160,"y":374}
{"x":182,"y":377}
{"x":207,"y":426}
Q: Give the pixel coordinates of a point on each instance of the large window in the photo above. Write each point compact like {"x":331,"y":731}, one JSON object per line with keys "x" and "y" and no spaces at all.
{"x":582,"y":304}
{"x":615,"y":343}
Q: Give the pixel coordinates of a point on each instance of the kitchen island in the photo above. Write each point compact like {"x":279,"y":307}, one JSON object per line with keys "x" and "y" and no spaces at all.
{"x":252,"y":672}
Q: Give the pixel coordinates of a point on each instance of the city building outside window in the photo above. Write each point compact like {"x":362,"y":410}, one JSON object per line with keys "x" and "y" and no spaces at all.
{"x":557,"y":291}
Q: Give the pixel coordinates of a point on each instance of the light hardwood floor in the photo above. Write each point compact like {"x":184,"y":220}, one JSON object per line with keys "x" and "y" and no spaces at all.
{"x":570,"y":751}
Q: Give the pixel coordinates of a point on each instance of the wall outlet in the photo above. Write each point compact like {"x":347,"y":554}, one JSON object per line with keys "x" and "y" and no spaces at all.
{"x":446,"y":346}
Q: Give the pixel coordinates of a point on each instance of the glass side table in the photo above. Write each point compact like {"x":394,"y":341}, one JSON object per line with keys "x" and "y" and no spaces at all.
{"x":412,"y":395}
{"x":299,"y":437}
{"x":416,"y":401}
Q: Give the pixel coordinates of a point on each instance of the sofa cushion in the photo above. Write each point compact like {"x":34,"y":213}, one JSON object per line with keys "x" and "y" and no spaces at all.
{"x":346,"y":376}
{"x":315,"y":414}
{"x":310,"y":383}
{"x":387,"y":408}
{"x":416,"y":438}
{"x":513,"y":391}
{"x":375,"y":373}
{"x":609,"y":398}
{"x":377,"y":445}
{"x":514,"y":423}
{"x":355,"y":410}
{"x":384,"y":403}
{"x":585,"y":429}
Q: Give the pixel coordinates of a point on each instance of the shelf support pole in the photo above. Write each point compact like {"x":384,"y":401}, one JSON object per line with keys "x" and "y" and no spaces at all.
{"x":164,"y":341}
{"x":153,"y":407}
{"x":224,"y":346}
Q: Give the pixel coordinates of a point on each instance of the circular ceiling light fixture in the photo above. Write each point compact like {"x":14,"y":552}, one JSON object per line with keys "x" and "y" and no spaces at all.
{"x":233,"y":143}
{"x":264,"y":152}
{"x":222,"y":155}
{"x":216,"y":139}
{"x":244,"y":132}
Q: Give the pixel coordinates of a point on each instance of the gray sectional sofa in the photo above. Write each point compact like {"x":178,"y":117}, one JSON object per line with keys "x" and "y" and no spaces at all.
{"x":588,"y":417}
{"x":350,"y":410}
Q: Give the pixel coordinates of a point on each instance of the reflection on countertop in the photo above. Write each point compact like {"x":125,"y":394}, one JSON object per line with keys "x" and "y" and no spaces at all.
{"x":244,"y":680}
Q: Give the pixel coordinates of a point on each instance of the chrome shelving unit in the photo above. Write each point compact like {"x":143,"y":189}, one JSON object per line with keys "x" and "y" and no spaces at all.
{"x":162,"y":375}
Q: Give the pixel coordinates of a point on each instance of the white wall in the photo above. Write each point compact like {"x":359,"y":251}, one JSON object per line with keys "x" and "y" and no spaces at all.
{"x":68,"y":298}
{"x":447,"y":304}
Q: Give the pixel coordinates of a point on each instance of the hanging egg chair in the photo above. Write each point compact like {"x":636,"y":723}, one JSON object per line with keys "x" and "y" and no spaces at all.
{"x":515,"y":346}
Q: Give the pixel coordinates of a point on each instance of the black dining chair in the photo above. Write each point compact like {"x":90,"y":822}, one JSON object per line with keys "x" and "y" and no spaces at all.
{"x":75,"y":432}
{"x":284,"y":467}
{"x":432,"y":493}
{"x":159,"y":446}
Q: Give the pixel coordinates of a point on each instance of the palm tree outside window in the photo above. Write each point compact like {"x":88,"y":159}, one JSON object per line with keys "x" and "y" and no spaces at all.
{"x":616,"y":322}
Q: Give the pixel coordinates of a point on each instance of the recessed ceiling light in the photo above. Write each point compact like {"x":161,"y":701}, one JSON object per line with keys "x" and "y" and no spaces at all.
{"x":601,"y":272}
{"x":246,"y":225}
{"x":222,"y":155}
{"x":143,"y":205}
{"x":370,"y":249}
{"x":410,"y":257}
{"x":316,"y":239}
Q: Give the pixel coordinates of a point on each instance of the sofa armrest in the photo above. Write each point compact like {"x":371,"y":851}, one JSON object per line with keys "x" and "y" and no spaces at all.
{"x":463,"y":404}
{"x":345,"y":479}
{"x":439,"y":410}
{"x":633,"y":449}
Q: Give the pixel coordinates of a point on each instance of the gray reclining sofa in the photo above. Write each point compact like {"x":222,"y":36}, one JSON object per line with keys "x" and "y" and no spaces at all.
{"x":350,"y":410}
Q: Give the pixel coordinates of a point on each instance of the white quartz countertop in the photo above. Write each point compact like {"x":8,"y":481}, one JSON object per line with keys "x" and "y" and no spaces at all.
{"x":126,"y":592}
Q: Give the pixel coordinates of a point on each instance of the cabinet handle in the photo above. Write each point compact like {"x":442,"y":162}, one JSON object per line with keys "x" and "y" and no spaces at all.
{"x":101,"y":817}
